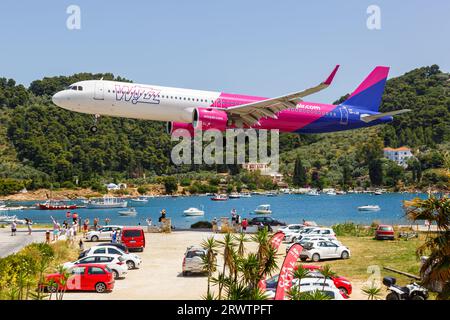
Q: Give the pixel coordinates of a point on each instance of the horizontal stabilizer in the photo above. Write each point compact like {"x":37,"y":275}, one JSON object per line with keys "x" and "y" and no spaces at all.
{"x":370,"y":118}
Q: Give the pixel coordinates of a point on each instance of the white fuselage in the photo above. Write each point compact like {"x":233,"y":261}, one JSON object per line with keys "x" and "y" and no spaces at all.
{"x":132,"y":100}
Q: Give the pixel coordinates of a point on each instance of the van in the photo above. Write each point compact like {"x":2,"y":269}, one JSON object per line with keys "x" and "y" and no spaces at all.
{"x":133,"y":238}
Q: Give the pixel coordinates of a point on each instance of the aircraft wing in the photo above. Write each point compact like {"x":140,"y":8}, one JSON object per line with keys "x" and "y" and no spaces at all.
{"x":250,"y":113}
{"x":369,"y":118}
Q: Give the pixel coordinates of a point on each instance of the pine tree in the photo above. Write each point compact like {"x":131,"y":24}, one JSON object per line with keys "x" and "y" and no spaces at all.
{"x":299,"y":178}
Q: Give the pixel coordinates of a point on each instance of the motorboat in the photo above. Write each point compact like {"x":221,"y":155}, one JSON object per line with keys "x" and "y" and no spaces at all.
{"x":220,"y":197}
{"x":56,"y":205}
{"x":369,"y":208}
{"x":106,"y":203}
{"x":5,"y":208}
{"x":263,"y":209}
{"x":246,"y":195}
{"x":271,"y":194}
{"x":313,"y":193}
{"x":193,"y":212}
{"x":331,"y":193}
{"x":234,"y":195}
{"x":131,"y":212}
{"x":140,"y":200}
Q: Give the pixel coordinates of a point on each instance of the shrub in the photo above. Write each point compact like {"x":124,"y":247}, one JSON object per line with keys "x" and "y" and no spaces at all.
{"x":202,"y":225}
{"x":352,"y":229}
{"x":142,"y":190}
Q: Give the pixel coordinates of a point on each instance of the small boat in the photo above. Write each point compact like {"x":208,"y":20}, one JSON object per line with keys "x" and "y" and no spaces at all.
{"x":378,"y":192}
{"x":369,"y":208}
{"x":4,"y":208}
{"x":234,"y":195}
{"x":331,"y":193}
{"x":220,"y":197}
{"x":271,"y":194}
{"x":131,"y":212}
{"x":313,"y":193}
{"x":56,"y":205}
{"x":341,"y":193}
{"x":246,"y":195}
{"x":193,"y":212}
{"x":106,"y":203}
{"x":140,"y":199}
{"x":263,"y":209}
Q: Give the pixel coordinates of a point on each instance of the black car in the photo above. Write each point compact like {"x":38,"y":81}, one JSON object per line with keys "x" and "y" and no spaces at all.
{"x":267,"y":221}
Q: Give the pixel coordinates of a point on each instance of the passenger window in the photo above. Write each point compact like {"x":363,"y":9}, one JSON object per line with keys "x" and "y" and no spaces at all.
{"x":100,"y":251}
{"x":113,"y":251}
{"x":78,"y":270}
{"x":80,"y":88}
{"x":95,"y":270}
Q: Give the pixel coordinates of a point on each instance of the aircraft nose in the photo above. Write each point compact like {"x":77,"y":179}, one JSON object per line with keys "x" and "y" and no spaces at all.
{"x":57,"y":98}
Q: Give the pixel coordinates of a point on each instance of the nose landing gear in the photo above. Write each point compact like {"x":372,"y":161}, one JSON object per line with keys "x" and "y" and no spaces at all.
{"x":94,"y":128}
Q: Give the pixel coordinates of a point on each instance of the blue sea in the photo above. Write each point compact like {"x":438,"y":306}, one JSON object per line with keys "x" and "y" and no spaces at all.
{"x":289,"y":208}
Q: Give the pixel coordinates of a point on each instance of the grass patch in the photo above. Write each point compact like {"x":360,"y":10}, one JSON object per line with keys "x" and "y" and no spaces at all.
{"x":365,"y":252}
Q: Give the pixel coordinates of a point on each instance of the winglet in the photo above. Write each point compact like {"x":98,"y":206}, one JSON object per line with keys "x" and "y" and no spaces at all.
{"x":331,"y":76}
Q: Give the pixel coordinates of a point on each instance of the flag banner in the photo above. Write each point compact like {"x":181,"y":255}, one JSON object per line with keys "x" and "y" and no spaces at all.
{"x":275,"y":241}
{"x":287,"y":270}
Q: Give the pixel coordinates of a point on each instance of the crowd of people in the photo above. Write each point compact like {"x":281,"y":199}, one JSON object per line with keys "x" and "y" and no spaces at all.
{"x":237,"y":222}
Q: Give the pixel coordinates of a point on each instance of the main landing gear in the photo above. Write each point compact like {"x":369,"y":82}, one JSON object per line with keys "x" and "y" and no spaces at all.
{"x":94,"y":128}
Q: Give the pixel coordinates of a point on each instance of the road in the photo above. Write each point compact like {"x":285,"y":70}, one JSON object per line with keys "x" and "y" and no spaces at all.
{"x":11,"y":244}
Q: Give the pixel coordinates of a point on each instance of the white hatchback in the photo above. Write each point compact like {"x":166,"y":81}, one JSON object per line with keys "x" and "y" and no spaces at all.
{"x":320,"y":250}
{"x":132,"y":261}
{"x":313,"y":284}
{"x":104,"y":233}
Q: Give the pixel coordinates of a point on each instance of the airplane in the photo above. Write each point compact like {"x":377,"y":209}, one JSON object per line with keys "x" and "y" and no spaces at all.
{"x":190,"y":109}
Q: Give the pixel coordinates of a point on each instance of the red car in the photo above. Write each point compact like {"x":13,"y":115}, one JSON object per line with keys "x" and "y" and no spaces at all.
{"x":384,"y":231}
{"x":82,"y":277}
{"x":343,"y":284}
{"x":133,"y":238}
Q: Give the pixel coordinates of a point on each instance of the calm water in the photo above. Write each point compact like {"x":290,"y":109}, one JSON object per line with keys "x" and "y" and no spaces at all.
{"x":323,"y":209}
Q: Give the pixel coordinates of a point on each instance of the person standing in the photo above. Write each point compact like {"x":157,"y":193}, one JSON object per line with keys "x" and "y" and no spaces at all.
{"x":244,"y":225}
{"x":28,"y":222}
{"x":107,"y":220}
{"x":75,"y":217}
{"x":214,"y":225}
{"x":85,"y":227}
{"x":13,"y":228}
{"x":114,"y":237}
{"x":95,"y":223}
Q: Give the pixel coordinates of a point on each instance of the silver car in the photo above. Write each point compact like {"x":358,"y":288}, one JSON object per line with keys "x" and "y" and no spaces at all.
{"x":193,"y":260}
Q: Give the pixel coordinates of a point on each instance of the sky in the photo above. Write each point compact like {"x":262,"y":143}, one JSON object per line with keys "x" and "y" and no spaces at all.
{"x":264,"y":48}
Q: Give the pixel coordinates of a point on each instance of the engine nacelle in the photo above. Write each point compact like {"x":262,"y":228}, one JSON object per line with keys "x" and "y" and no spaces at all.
{"x":188,"y":129}
{"x":209,"y":119}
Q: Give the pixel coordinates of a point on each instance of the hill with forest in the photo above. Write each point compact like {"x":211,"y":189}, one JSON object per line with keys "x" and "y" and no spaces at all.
{"x":43,"y":145}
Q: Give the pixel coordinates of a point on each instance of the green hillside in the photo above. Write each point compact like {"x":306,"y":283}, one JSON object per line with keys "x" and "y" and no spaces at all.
{"x":41,"y":144}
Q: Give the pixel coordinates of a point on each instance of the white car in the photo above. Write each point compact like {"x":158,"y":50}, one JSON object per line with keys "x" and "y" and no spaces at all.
{"x":294,"y":235}
{"x":115,"y":263}
{"x":311,"y":285}
{"x":132,"y":261}
{"x":290,"y":229}
{"x":324,"y":232}
{"x":305,"y":240}
{"x":103,"y":233}
{"x":320,"y":250}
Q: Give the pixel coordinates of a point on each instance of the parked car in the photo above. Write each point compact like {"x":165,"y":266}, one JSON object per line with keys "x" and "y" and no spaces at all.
{"x":324,"y":232}
{"x":384,"y":232}
{"x":305,"y":240}
{"x":193,"y":260}
{"x":320,"y":250}
{"x":121,"y":246}
{"x":133,"y":238}
{"x":267,"y":221}
{"x":82,"y":277}
{"x":132,"y":261}
{"x":290,"y":229}
{"x":312,"y":284}
{"x":343,"y":284}
{"x":117,"y":264}
{"x":103,"y":233}
{"x":295,"y":235}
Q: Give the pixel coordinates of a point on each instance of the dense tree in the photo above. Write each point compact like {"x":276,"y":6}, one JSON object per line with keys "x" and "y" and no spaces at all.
{"x":299,"y":178}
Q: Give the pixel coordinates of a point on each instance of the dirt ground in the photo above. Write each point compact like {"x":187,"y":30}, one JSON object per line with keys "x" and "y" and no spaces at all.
{"x":160,"y":274}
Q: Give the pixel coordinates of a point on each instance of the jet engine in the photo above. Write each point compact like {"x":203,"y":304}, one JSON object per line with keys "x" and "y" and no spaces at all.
{"x":209,"y":119}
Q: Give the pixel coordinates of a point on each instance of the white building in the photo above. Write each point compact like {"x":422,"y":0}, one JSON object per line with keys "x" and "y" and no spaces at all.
{"x":399,"y":155}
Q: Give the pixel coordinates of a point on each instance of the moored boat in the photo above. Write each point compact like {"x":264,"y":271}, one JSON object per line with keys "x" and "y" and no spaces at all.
{"x":220,"y":197}
{"x":193,"y":212}
{"x":130,"y":212}
{"x":369,"y":208}
{"x":56,"y":205}
{"x":106,"y":203}
{"x":263,"y":209}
